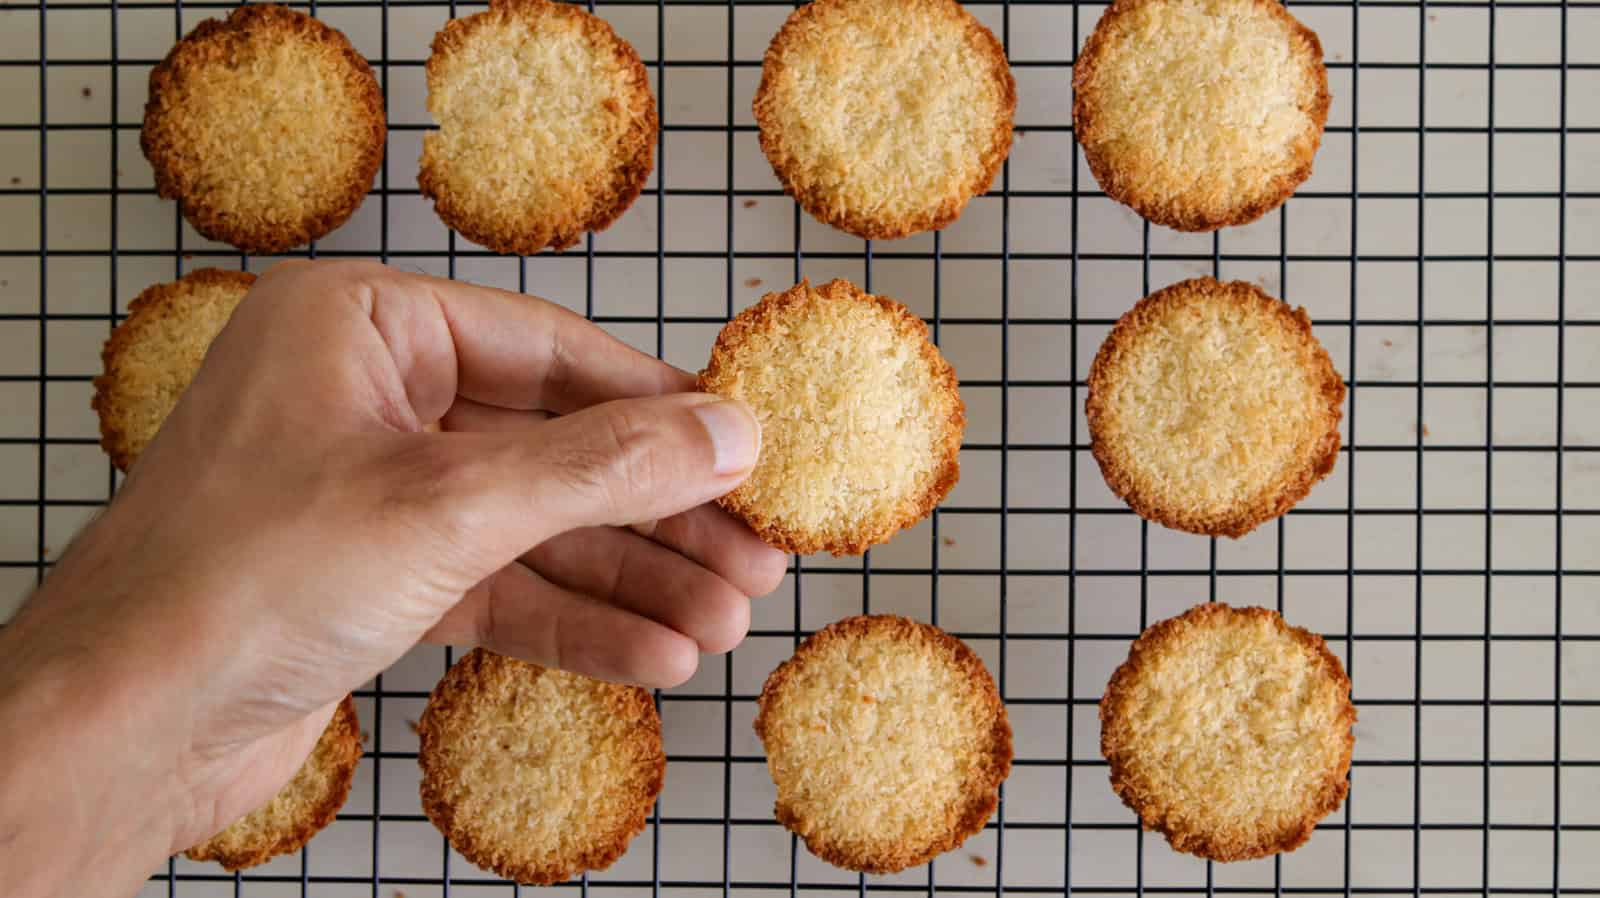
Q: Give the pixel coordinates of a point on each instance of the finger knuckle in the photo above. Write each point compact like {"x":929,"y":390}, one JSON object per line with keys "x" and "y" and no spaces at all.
{"x":768,"y":571}
{"x":285,"y":268}
{"x":561,"y":366}
{"x":727,"y":621}
{"x":430,"y":484}
{"x":620,"y":462}
{"x":354,"y":270}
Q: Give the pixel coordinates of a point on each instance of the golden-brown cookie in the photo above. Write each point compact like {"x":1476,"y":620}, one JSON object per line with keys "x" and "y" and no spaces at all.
{"x":884,"y":117}
{"x":1200,"y":114}
{"x":887,"y":741}
{"x":155,"y":352}
{"x":301,"y":809}
{"x":547,"y":127}
{"x":1213,"y":408}
{"x":861,"y":417}
{"x":267,"y":127}
{"x":1229,"y":731}
{"x":535,"y":774}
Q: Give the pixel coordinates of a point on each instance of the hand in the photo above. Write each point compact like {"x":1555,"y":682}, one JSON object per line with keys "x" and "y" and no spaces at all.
{"x":293,"y":529}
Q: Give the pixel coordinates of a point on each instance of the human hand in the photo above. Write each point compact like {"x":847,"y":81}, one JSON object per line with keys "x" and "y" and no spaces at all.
{"x":292,"y":530}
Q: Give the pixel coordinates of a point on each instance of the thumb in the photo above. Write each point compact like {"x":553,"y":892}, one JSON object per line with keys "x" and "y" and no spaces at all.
{"x":640,"y":459}
{"x":612,"y":464}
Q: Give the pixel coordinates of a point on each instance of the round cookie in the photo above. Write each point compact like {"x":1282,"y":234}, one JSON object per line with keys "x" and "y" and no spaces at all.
{"x":887,"y":741}
{"x":1213,"y":408}
{"x":884,"y":117}
{"x":267,"y":127}
{"x":1229,"y":731}
{"x":1200,"y":114}
{"x":155,"y":352}
{"x":535,"y":774}
{"x":861,"y":417}
{"x":547,"y":127}
{"x":301,"y":809}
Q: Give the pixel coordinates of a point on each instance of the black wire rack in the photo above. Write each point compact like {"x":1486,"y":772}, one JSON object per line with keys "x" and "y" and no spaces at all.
{"x":1448,"y":250}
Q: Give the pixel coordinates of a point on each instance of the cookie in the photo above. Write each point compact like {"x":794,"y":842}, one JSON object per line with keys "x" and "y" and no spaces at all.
{"x":547,"y":127}
{"x":267,"y":127}
{"x":535,"y":774}
{"x":1213,"y":408}
{"x":1229,"y":732}
{"x":1200,"y":114}
{"x":884,"y":117}
{"x":861,"y":418}
{"x":887,"y":741}
{"x":301,"y":809}
{"x":155,"y":352}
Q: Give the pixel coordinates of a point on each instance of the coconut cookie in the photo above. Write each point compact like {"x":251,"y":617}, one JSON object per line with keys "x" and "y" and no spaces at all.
{"x":155,"y":352}
{"x":547,"y":127}
{"x":861,"y":417}
{"x":1200,"y":114}
{"x":301,"y":809}
{"x":1229,"y":731}
{"x":267,"y":127}
{"x":887,"y":742}
{"x":1213,"y":408}
{"x":884,"y":117}
{"x":535,"y":774}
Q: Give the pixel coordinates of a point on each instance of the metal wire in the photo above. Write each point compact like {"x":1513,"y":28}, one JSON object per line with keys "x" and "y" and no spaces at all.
{"x":721,"y":873}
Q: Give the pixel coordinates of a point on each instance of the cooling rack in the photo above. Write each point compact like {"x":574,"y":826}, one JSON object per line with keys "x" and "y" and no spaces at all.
{"x":1447,"y":247}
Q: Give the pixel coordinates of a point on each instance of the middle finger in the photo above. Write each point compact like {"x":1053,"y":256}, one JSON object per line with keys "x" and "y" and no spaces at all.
{"x":646,"y":578}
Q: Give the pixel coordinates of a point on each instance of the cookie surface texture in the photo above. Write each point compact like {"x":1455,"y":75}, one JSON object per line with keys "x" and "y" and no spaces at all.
{"x":884,"y":117}
{"x":1229,"y":731}
{"x":887,"y":741}
{"x":538,"y":775}
{"x":267,"y":126}
{"x":301,"y":809}
{"x":1213,"y":408}
{"x":861,"y":417}
{"x":1200,"y":114}
{"x":547,"y":127}
{"x":155,"y":352}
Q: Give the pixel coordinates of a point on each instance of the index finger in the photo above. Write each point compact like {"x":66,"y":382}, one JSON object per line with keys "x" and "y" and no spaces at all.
{"x":522,"y":352}
{"x":512,"y":350}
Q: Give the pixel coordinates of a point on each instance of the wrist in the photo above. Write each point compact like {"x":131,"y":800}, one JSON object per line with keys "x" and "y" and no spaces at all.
{"x":91,"y":778}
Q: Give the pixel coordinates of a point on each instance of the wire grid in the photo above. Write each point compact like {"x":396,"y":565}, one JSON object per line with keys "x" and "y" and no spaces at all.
{"x":1457,"y":580}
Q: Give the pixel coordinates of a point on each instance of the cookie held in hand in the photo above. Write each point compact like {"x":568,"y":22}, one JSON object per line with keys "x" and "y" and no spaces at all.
{"x":861,"y":417}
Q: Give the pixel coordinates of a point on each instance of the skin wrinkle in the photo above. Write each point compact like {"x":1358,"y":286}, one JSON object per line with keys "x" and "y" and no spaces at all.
{"x":408,"y":410}
{"x":429,"y":393}
{"x":561,"y":365}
